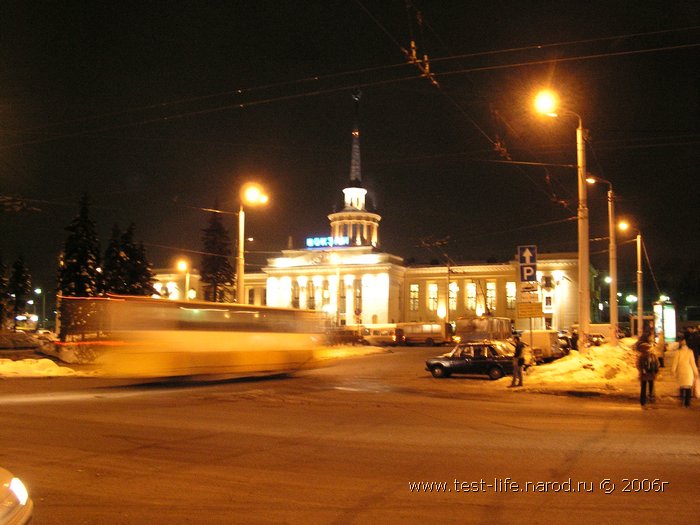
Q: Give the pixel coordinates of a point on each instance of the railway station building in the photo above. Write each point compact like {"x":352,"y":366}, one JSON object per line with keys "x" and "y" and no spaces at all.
{"x":347,"y":276}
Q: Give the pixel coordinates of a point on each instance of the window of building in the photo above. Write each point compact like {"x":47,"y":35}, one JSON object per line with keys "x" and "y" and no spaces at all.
{"x":413,"y":292}
{"x":491,"y":296}
{"x":471,"y":296}
{"x":432,"y":297}
{"x":453,"y":296}
{"x":251,"y":296}
{"x":343,"y":297}
{"x":295,"y":294}
{"x":311,"y":296}
{"x":358,"y":296}
{"x":511,"y":295}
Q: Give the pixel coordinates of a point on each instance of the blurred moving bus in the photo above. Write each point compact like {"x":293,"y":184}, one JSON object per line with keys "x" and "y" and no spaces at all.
{"x":139,"y":336}
{"x":425,"y":333}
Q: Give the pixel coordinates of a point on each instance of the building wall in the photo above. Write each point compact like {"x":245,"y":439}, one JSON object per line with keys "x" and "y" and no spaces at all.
{"x":386,"y":288}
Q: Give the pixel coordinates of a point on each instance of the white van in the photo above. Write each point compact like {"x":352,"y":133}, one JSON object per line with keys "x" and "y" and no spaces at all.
{"x":379,"y":335}
{"x":544,"y":343}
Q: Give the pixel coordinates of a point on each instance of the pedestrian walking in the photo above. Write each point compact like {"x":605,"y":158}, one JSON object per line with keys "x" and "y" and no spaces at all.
{"x":518,"y":362}
{"x":685,"y":370}
{"x":648,"y":366}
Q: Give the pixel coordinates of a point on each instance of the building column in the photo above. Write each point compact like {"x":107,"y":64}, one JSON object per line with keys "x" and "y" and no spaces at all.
{"x":317,"y":280}
{"x":349,"y":282}
{"x":302,"y":281}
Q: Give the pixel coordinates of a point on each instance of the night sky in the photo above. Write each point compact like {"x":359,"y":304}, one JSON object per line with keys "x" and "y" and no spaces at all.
{"x":159,"y":109}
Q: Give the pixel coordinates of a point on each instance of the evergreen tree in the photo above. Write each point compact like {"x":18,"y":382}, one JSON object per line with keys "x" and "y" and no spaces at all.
{"x":20,"y":288}
{"x":216,"y":272}
{"x":141,"y":275}
{"x":4,"y":296}
{"x":78,"y":274}
{"x":126,"y":269}
{"x":115,"y":265}
{"x":79,"y":271}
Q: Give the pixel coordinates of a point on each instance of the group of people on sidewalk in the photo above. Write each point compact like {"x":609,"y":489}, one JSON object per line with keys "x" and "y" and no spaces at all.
{"x":684,"y":366}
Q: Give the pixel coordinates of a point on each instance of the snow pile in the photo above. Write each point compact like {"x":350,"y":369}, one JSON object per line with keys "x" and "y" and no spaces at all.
{"x":603,"y":366}
{"x":33,"y":368}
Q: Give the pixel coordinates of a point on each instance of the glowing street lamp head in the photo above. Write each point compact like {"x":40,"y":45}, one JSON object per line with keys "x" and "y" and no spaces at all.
{"x":253,"y":194}
{"x":624,"y":225}
{"x":546,"y":102}
{"x":182,"y":265}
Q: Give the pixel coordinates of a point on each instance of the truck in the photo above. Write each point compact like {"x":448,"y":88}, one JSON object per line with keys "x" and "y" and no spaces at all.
{"x":544,"y":344}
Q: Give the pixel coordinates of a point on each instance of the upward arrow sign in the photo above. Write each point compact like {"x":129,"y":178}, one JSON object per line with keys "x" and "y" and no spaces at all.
{"x":527,"y":256}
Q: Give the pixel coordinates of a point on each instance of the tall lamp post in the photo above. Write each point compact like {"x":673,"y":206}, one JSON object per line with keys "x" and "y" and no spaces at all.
{"x":251,"y":194}
{"x":612,"y":254}
{"x":185,"y":268}
{"x":39,"y":291}
{"x":546,"y":102}
{"x":640,"y":287}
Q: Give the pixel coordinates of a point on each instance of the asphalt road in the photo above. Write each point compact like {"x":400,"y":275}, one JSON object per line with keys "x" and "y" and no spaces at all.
{"x":356,"y":442}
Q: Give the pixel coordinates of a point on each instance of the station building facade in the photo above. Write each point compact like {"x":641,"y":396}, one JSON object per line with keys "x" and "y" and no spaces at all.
{"x":349,"y":278}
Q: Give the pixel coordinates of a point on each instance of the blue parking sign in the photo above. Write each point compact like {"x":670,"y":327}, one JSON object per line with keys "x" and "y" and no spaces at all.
{"x":527,"y":259}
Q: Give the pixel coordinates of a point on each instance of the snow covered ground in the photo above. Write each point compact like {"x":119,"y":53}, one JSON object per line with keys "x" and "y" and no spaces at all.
{"x":604,"y":366}
{"x":34,"y":368}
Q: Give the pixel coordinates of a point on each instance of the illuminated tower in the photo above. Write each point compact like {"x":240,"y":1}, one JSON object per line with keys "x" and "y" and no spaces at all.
{"x":360,"y":226}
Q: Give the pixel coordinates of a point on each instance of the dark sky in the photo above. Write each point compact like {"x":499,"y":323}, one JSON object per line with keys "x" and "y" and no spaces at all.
{"x":157,"y":109}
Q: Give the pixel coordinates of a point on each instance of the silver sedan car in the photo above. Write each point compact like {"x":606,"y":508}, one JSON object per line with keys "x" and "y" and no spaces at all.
{"x":16,"y":506}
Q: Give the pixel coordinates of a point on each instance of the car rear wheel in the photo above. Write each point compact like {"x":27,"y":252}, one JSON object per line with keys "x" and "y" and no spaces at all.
{"x":495,"y":373}
{"x":439,"y":371}
{"x":429,"y":342}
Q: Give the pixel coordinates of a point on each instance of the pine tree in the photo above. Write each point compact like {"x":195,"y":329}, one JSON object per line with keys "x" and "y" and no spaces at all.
{"x":79,"y":271}
{"x":216,"y":272}
{"x":78,"y":274}
{"x":114,"y":267}
{"x":126,"y":269}
{"x":20,"y":288}
{"x":141,"y":272}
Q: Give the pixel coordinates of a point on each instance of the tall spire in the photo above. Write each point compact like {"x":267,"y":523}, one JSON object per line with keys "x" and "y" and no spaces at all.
{"x":355,"y":169}
{"x":354,"y":222}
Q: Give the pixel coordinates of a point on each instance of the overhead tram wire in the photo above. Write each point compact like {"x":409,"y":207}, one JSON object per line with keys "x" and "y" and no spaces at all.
{"x":239,"y":105}
{"x":243,"y":105}
{"x":569,"y":59}
{"x":424,"y":67}
{"x":564,"y":44}
{"x":237,"y":91}
{"x":318,"y":78}
{"x":348,"y":73}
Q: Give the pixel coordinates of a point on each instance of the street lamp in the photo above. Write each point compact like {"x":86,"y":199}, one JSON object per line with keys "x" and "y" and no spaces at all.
{"x":183,"y":266}
{"x":612,"y":254}
{"x":38,"y":291}
{"x":640,"y":289}
{"x":252,"y":194}
{"x":546,"y":102}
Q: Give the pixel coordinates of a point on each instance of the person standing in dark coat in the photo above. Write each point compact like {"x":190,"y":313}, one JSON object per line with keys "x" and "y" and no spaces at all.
{"x":518,"y":362}
{"x":648,"y":366}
